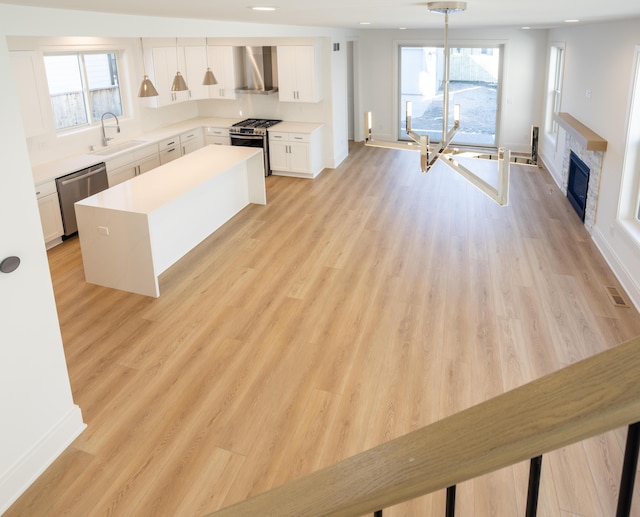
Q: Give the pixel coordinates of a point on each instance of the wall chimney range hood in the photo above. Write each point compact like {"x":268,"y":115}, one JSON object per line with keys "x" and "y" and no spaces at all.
{"x":259,"y":63}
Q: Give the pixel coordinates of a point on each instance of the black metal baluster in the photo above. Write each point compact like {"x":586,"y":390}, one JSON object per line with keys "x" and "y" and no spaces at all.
{"x":377,"y":513}
{"x":629,"y":471}
{"x":450,"y":511}
{"x":535,"y":470}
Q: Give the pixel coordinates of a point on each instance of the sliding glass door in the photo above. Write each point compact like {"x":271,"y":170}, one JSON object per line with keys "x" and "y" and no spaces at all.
{"x":474,"y":84}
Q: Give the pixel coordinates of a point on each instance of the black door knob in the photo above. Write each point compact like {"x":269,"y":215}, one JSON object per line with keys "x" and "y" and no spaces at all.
{"x":10,"y":264}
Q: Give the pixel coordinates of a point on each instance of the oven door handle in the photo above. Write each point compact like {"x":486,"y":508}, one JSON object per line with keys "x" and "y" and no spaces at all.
{"x":246,"y":136}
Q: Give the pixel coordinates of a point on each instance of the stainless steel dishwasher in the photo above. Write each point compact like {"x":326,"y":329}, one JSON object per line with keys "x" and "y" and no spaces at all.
{"x":76,"y":186}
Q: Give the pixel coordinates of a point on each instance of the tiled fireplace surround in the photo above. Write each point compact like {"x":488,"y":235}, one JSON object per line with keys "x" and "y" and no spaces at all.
{"x":582,"y":145}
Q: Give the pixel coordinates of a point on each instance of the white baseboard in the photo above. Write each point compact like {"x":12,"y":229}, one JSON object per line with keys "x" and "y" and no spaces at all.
{"x":626,"y":280}
{"x":19,"y":477}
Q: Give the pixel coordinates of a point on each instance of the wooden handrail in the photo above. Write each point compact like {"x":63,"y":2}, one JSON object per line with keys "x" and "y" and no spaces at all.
{"x":585,"y":399}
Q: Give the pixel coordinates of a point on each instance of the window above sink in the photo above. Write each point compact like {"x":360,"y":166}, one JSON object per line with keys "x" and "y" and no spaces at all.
{"x":82,"y":86}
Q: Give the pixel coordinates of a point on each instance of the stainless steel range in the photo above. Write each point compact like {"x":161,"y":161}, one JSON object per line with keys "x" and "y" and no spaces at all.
{"x":252,"y":132}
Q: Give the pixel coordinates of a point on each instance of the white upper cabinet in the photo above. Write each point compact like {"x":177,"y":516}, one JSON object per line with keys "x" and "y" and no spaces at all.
{"x":195,"y":66}
{"x":297,"y":74}
{"x":165,"y":62}
{"x":28,"y":71}
{"x":191,"y":61}
{"x":226,"y":64}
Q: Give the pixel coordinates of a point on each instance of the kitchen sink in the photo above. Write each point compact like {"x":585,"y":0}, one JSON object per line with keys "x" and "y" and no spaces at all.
{"x":117,"y":148}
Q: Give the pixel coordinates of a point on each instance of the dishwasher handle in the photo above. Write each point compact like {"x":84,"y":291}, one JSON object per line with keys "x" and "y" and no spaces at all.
{"x":101,"y":168}
{"x":81,"y":176}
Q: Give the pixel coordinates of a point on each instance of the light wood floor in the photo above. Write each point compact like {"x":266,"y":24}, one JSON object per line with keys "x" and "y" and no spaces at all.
{"x":350,"y":310}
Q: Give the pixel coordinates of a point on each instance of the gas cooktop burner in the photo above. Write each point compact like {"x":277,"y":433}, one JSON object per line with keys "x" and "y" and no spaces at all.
{"x":254,"y":125}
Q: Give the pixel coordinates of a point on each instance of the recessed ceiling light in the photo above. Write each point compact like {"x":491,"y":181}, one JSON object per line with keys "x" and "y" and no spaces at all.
{"x":526,"y":28}
{"x":365,"y":23}
{"x":402,"y":28}
{"x":571,"y":21}
{"x":263,"y":8}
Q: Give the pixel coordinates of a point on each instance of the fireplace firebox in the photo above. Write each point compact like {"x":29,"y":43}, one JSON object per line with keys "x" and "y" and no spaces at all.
{"x":578,"y":185}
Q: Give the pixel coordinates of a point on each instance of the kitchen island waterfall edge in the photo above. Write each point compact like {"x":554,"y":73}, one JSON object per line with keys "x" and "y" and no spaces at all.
{"x":131,"y":233}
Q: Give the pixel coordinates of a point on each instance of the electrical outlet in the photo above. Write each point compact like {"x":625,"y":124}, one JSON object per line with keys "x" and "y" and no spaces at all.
{"x":587,"y":94}
{"x":103,"y":230}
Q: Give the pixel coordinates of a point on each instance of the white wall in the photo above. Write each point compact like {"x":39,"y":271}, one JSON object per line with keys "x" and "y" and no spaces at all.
{"x":599,"y":58}
{"x":36,"y":408}
{"x":37,"y":412}
{"x":339,"y":101}
{"x":522,"y":82}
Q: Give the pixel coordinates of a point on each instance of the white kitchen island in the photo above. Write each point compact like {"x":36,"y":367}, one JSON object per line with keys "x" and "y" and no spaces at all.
{"x":132,"y":232}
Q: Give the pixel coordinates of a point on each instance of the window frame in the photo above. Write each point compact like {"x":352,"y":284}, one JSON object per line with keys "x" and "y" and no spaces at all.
{"x":80,"y":52}
{"x":629,"y":204}
{"x":399,"y":111}
{"x":555,"y":79}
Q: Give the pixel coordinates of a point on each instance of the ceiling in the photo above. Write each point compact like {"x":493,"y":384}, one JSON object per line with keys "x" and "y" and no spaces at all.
{"x":381,"y":14}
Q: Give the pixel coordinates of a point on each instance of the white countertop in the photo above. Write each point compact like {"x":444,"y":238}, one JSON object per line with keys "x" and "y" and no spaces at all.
{"x":51,"y":170}
{"x":149,"y":191}
{"x":295,"y":127}
{"x":167,"y":132}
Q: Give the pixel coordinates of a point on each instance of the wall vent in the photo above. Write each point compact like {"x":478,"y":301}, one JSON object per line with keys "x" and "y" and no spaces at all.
{"x":616,"y":298}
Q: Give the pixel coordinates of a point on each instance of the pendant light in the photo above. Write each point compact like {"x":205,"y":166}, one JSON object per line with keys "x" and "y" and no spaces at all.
{"x":146,"y":88}
{"x":179,"y":84}
{"x":209,"y":78}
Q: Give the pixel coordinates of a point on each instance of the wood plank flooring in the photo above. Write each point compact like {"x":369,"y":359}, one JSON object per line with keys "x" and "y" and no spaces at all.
{"x":349,"y":310}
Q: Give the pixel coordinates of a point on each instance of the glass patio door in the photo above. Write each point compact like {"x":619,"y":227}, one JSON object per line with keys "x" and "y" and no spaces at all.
{"x":474,"y":83}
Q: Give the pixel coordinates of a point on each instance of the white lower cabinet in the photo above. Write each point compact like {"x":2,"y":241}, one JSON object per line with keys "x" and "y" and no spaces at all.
{"x":217,"y":136}
{"x":121,"y":174}
{"x":169,"y":149}
{"x":148,"y":163}
{"x":179,"y":145}
{"x":128,"y":165}
{"x":50,"y":215}
{"x":191,"y":141}
{"x":287,"y":156}
{"x":295,"y":154}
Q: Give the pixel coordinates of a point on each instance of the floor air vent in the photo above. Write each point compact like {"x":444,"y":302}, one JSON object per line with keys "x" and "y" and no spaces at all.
{"x":616,"y":298}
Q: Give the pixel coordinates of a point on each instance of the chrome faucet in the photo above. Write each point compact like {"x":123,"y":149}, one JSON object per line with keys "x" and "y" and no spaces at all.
{"x":105,"y":140}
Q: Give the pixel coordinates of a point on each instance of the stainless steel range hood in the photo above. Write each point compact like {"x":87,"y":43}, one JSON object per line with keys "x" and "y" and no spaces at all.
{"x":259,"y":63}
